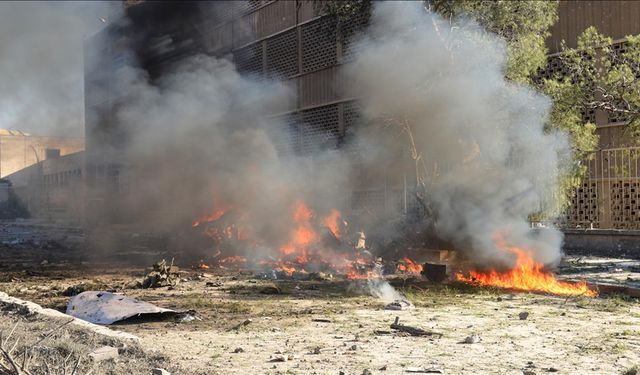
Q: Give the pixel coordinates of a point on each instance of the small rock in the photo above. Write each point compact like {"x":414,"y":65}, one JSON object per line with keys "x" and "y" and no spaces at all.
{"x":383,"y":368}
{"x":238,"y":350}
{"x":528,"y":372}
{"x":399,"y":304}
{"x":278,"y":358}
{"x":473,"y":339}
{"x":317,"y":350}
{"x":552,"y":369}
{"x":104,"y":353}
{"x":523,"y":315}
{"x":160,"y":371}
{"x":499,"y":299}
{"x":366,"y":372}
{"x":353,"y":347}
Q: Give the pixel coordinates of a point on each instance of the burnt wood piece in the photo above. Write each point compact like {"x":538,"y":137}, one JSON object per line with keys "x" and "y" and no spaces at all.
{"x":413,"y":331}
{"x":436,"y":273}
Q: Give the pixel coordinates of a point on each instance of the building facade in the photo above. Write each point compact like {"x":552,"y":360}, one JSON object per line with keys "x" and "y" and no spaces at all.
{"x":294,"y":42}
{"x":19,"y":150}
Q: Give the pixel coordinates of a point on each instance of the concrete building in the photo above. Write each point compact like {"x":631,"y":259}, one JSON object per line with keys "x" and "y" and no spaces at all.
{"x":53,"y":189}
{"x":19,"y":150}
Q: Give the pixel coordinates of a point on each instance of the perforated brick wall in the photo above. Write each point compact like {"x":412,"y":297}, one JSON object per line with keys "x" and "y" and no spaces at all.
{"x":349,"y":33}
{"x":584,"y":207}
{"x":320,"y":129}
{"x":248,"y":60}
{"x":624,"y":204}
{"x":282,"y":55}
{"x":318,"y":44}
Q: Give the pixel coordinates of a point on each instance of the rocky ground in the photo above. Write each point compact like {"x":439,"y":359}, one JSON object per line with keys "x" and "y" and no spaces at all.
{"x":254,"y":326}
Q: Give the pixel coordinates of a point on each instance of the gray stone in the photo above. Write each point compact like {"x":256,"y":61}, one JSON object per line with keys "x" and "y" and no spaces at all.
{"x":104,"y":353}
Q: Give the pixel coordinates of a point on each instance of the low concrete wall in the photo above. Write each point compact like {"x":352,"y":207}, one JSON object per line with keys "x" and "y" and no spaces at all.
{"x":602,"y":242}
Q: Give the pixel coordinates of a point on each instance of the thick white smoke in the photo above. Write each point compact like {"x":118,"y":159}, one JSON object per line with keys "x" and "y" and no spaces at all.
{"x":483,"y":135}
{"x":203,"y":138}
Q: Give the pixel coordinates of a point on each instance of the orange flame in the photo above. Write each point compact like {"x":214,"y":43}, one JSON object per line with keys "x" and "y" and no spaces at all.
{"x":302,"y":247}
{"x":527,"y":275}
{"x":202,"y":265}
{"x":410,"y":266}
{"x":331,"y":222}
{"x":217,"y":214}
{"x":303,"y":235}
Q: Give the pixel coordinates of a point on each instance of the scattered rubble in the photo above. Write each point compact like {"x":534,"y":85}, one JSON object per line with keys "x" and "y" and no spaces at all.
{"x":161,"y":275}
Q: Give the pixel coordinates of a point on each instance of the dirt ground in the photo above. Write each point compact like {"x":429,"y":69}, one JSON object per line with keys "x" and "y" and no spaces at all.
{"x":334,"y":326}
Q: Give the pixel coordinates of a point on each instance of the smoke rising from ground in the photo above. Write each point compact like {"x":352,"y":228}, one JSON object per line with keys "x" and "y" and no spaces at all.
{"x":41,"y":90}
{"x":482,"y":136}
{"x":203,"y":137}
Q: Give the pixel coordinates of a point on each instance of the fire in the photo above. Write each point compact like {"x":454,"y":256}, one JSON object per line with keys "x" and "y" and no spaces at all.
{"x":331,"y":222}
{"x":202,"y":265}
{"x":302,"y":236}
{"x":527,"y":275}
{"x":410,"y":266}
{"x":217,"y":214}
{"x":304,"y":248}
{"x":234,"y":260}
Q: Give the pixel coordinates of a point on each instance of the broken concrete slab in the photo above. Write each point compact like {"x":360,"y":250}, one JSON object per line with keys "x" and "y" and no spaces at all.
{"x":107,"y":308}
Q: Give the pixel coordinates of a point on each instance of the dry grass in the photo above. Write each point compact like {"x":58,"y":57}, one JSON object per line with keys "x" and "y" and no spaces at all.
{"x":34,"y":344}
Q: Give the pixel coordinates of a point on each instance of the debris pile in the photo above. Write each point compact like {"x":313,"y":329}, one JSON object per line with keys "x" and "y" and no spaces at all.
{"x":161,"y":275}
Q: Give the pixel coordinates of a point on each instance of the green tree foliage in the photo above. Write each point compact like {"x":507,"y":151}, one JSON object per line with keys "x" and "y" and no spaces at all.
{"x":523,"y":24}
{"x":600,"y":77}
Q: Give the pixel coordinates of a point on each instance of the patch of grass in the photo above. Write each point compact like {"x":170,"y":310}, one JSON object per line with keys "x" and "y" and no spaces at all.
{"x":619,"y":348}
